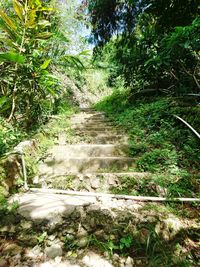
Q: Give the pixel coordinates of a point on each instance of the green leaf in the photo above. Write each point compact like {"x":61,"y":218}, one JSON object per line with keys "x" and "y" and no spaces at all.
{"x":44,"y":35}
{"x":9,"y":22}
{"x":18,"y":9}
{"x":13,"y":57}
{"x":4,"y":103}
{"x":3,"y":100}
{"x":45,"y":64}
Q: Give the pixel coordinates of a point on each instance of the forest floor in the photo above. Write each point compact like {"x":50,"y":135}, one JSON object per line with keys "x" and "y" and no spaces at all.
{"x":42,"y":228}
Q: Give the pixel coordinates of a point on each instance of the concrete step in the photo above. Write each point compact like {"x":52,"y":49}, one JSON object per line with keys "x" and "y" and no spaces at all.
{"x":109,"y":139}
{"x":89,"y":110}
{"x":61,"y":152}
{"x":92,"y":124}
{"x":96,"y":128}
{"x":89,"y":182}
{"x":83,"y":165}
{"x":100,"y":133}
{"x":46,"y":206}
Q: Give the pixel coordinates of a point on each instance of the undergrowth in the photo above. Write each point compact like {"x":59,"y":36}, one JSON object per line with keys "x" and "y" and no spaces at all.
{"x":159,"y":143}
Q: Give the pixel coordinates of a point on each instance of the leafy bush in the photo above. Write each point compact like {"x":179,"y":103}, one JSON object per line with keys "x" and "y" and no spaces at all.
{"x":9,"y":136}
{"x":158,"y":159}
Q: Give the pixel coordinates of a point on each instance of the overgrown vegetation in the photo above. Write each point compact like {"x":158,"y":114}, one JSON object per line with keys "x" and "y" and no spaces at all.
{"x":151,"y":50}
{"x":151,"y":44}
{"x":159,"y":143}
{"x":148,"y":53}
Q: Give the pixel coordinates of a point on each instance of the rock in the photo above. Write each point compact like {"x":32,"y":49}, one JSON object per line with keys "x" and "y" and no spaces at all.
{"x":26,"y":225}
{"x":3,"y":263}
{"x":4,"y":229}
{"x":26,"y":145}
{"x":161,"y":191}
{"x":83,"y":242}
{"x":168,"y":228}
{"x":58,"y":260}
{"x":116,"y":257}
{"x":69,"y":237}
{"x":71,"y":231}
{"x":36,"y":180}
{"x":35,"y":252}
{"x":138,"y":262}
{"x":94,"y":260}
{"x":129,"y":262}
{"x":51,"y":237}
{"x":81,"y":232}
{"x":95,"y":183}
{"x":54,"y":251}
{"x":111,"y":181}
{"x":12,"y":249}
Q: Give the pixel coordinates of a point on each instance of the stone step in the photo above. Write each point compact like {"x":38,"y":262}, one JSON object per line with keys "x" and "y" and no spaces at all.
{"x":88,"y":110}
{"x":92,"y":124}
{"x":109,"y":139}
{"x":47,"y":206}
{"x":100,"y":129}
{"x":62,"y":152}
{"x":100,"y":133}
{"x":83,"y":165}
{"x":89,"y":182}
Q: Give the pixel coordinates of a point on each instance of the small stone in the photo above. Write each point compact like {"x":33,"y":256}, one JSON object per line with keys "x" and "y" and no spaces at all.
{"x":82,"y":232}
{"x":138,"y":262}
{"x":69,"y":237}
{"x":71,"y":231}
{"x":111,"y":181}
{"x":83,"y":242}
{"x":36,"y":180}
{"x":58,"y":260}
{"x":53,"y":251}
{"x":26,"y":225}
{"x":168,"y":228}
{"x":129,"y":262}
{"x":106,"y":254}
{"x":122,"y":260}
{"x":116,"y":257}
{"x":51,"y":237}
{"x":95,"y":183}
{"x":4,"y":229}
{"x":34,"y":252}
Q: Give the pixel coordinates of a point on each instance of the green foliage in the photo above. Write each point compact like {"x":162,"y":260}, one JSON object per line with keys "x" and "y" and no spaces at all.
{"x":157,"y":45}
{"x":25,"y":80}
{"x":158,"y":159}
{"x":9,"y":136}
{"x":122,"y":245}
{"x":159,"y":143}
{"x":41,"y":238}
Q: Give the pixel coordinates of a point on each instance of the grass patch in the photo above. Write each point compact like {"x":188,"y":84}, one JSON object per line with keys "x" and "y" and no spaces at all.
{"x":159,"y":142}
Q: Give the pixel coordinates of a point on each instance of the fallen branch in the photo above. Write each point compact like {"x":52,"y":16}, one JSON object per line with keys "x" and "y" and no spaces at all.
{"x":103,"y":195}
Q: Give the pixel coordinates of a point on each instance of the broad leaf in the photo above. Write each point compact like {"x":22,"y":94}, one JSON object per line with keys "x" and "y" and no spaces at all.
{"x":45,"y":64}
{"x":7,"y":20}
{"x":18,"y":9}
{"x":13,"y":57}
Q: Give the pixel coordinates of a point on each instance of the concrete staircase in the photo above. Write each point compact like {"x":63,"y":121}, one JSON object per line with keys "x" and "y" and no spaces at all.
{"x":95,"y":163}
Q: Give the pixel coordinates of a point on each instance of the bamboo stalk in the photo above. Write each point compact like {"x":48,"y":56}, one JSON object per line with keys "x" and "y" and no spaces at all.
{"x":126,"y":197}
